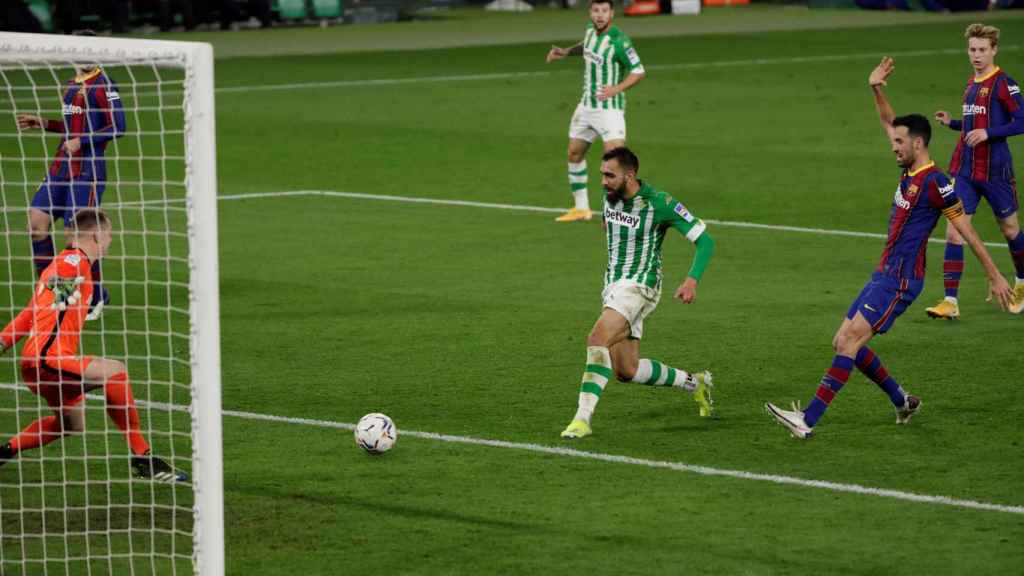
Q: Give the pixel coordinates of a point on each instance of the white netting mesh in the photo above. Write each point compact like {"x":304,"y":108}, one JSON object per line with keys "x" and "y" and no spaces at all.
{"x":73,"y":506}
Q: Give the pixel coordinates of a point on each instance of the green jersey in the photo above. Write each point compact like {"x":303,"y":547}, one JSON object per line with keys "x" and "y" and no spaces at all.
{"x":607,"y":59}
{"x":636,"y":229}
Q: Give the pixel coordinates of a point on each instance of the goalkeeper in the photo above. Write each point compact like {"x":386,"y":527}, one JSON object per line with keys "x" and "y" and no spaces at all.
{"x":50,"y":362}
{"x":92,"y":117}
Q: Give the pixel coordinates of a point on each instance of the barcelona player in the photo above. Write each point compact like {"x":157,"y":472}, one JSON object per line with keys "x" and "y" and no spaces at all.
{"x":993,"y":111}
{"x":92,"y":116}
{"x":924,"y":194}
{"x":51,"y":365}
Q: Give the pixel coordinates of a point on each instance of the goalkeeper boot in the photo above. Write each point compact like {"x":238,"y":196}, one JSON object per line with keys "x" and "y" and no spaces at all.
{"x":702,"y":393}
{"x":149,"y":466}
{"x":793,"y":419}
{"x":910,"y":407}
{"x":1017,"y":302}
{"x":947,"y":309}
{"x":100,"y":298}
{"x":6,"y":453}
{"x":577,"y":429}
{"x":575,"y":215}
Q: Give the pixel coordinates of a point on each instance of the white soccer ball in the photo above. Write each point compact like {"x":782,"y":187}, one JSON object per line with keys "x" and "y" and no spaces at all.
{"x":376,"y":433}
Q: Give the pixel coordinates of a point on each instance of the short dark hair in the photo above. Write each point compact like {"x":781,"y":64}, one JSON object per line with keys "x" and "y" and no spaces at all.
{"x":90,"y":219}
{"x":610,"y":3}
{"x":624,"y":156}
{"x":917,"y":125}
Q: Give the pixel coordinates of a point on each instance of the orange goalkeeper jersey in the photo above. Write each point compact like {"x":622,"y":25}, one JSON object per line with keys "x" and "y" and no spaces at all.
{"x":53,"y":318}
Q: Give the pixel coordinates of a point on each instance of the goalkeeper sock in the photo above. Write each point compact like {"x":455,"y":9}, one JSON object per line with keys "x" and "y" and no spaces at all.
{"x":871,"y":366}
{"x":42,"y":253}
{"x":578,"y":184}
{"x":39,"y":433}
{"x":654,"y":373}
{"x":121,"y":409}
{"x":595,"y":378}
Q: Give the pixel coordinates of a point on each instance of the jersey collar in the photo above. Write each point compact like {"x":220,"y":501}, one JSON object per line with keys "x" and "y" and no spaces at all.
{"x":83,"y":78}
{"x":987,"y":76}
{"x":921,"y":169}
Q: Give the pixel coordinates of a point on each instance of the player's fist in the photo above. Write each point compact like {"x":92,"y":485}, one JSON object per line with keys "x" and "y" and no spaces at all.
{"x":26,"y":121}
{"x":975,"y":137}
{"x":557,"y":53}
{"x":881,"y":72}
{"x":943,"y":117}
{"x":687,"y":291}
{"x":72,"y":146}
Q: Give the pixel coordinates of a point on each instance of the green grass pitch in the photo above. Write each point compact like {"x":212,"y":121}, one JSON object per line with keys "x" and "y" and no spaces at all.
{"x":471,"y":321}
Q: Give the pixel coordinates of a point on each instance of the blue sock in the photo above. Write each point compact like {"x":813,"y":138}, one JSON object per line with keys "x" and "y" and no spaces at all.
{"x":871,"y":366}
{"x":1017,"y":253}
{"x":831,"y":383}
{"x":42,"y":253}
{"x":953,"y":268}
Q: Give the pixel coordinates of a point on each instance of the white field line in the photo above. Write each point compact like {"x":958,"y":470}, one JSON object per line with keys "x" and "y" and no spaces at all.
{"x":542,"y":73}
{"x":521,"y":207}
{"x":610,"y":458}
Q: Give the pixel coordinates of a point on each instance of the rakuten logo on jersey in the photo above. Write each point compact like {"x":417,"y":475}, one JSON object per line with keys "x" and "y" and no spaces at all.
{"x":621,"y":218}
{"x":69,"y":109}
{"x":901,"y":201}
{"x":974,"y":109}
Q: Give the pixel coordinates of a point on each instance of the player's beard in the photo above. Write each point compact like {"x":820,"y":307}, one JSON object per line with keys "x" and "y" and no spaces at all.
{"x":614,"y":195}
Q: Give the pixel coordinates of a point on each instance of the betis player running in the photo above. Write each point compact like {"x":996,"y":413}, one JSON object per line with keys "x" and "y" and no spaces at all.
{"x":924,"y":193}
{"x":610,"y":67}
{"x":51,"y":365}
{"x":993,"y":110}
{"x":637,"y":217}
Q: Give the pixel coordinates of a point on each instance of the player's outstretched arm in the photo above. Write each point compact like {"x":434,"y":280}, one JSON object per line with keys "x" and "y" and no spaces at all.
{"x":997,"y":284}
{"x":31,"y":121}
{"x":557,"y":53}
{"x":878,"y":78}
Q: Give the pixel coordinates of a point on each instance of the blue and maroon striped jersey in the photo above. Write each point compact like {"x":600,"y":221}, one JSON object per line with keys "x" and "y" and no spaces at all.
{"x":92,"y":111}
{"x":993,"y":103}
{"x":922,"y":196}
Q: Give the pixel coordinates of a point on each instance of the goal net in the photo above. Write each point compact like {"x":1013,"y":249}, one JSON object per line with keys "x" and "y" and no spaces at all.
{"x":141,"y":114}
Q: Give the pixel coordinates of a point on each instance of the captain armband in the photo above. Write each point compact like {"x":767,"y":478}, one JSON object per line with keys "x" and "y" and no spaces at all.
{"x":955,"y":211}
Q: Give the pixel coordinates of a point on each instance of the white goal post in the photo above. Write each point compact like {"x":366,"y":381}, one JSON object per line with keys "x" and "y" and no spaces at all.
{"x":161,"y":189}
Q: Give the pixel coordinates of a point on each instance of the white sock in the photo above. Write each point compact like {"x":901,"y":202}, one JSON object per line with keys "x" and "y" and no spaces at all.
{"x":654,"y":373}
{"x":595,"y":378}
{"x":952,"y":299}
{"x":578,"y":184}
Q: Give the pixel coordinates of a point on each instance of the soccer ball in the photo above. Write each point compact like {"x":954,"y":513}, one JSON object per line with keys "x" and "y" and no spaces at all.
{"x":376,"y":433}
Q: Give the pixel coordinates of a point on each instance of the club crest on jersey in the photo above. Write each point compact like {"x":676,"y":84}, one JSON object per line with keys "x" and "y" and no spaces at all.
{"x":621,"y":218}
{"x":912,"y":191}
{"x":983,"y":92}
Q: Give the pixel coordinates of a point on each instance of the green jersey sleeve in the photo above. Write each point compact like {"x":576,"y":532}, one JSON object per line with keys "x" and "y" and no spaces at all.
{"x":626,"y":54}
{"x":671,"y":212}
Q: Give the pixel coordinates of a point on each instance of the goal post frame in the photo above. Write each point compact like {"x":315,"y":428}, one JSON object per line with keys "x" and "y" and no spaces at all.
{"x":201,"y":201}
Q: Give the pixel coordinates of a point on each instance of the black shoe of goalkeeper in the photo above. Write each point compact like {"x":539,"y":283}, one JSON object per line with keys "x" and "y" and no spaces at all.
{"x":6,"y":453}
{"x":151,"y":467}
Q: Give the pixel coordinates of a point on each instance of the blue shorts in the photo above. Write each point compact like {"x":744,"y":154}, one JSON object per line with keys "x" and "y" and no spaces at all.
{"x":62,"y":199}
{"x":1001,"y":196}
{"x":883,"y":299}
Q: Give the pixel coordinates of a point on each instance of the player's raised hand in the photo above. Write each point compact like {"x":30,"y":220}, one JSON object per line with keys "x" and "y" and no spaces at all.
{"x":943,"y":117}
{"x":1000,"y":289}
{"x":975,"y":137}
{"x":881,"y":72}
{"x":556,"y":53}
{"x":687,"y":291}
{"x":26,"y":121}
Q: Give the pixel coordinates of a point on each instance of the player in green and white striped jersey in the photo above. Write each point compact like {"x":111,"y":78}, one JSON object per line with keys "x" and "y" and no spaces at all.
{"x":637,"y":217}
{"x":610,"y":67}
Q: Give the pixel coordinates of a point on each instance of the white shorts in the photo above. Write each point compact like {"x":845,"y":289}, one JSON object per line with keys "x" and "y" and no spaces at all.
{"x":634,"y":301}
{"x":590,"y":123}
